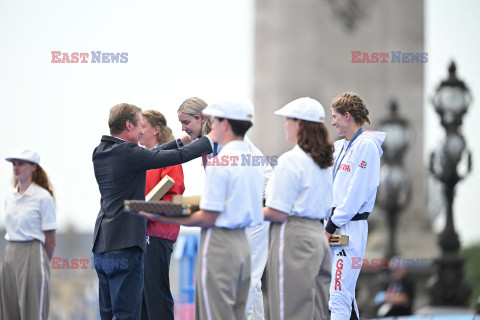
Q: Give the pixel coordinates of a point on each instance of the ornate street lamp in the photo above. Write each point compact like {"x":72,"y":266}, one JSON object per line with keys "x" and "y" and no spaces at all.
{"x":394,"y":192}
{"x":451,"y":102}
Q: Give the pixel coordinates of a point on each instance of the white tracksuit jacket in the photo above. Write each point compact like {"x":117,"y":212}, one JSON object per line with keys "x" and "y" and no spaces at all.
{"x":354,"y":191}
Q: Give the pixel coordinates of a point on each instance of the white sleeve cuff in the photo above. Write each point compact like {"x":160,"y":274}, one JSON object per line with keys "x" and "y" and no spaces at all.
{"x":212,"y":206}
{"x":49,"y":226}
{"x":279,"y":206}
{"x":211,"y":141}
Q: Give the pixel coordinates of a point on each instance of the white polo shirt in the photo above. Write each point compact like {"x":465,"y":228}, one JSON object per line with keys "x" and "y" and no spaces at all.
{"x":299,"y":187}
{"x":234,"y":188}
{"x":29,"y":214}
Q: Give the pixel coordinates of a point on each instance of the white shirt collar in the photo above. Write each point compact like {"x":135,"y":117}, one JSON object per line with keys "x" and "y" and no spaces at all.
{"x":119,"y":138}
{"x":30,"y":190}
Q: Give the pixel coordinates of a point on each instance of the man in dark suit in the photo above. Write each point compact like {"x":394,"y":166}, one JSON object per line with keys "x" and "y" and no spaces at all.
{"x":119,"y":239}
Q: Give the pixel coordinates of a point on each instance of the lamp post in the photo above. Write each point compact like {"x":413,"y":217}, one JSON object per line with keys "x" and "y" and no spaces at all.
{"x":451,"y":102}
{"x":394,"y":193}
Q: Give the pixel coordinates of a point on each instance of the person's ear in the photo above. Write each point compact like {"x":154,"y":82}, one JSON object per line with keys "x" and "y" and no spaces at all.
{"x":128,"y":125}
{"x":156,"y":130}
{"x":347,"y":116}
{"x":203,"y":118}
{"x":226,"y":124}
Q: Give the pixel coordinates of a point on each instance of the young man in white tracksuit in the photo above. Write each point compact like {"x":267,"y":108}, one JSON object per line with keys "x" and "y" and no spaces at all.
{"x":232,"y":200}
{"x":356,"y":175}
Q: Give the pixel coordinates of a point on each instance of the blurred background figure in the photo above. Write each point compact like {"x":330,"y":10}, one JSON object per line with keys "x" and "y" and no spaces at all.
{"x":399,"y":295}
{"x":30,"y":225}
{"x":157,"y":297}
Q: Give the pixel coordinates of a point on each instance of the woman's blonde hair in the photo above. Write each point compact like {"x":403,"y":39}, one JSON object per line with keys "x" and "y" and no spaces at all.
{"x":194,"y":107}
{"x":156,"y":119}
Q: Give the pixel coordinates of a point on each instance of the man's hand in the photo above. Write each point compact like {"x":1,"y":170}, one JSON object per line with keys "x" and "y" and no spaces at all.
{"x":186,"y":140}
{"x":328,"y":235}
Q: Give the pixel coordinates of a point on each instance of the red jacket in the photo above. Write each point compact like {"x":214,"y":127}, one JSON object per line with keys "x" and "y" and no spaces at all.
{"x":159,"y":229}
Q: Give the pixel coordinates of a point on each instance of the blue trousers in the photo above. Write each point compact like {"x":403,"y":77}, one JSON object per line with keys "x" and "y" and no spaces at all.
{"x":120,"y":280}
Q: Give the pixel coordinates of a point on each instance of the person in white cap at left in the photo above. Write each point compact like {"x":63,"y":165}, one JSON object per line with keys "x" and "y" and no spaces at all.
{"x":232,"y":200}
{"x":299,"y":196}
{"x":30,"y":224}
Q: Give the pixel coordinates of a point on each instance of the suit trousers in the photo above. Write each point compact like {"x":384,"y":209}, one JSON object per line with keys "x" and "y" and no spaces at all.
{"x":120,"y":282}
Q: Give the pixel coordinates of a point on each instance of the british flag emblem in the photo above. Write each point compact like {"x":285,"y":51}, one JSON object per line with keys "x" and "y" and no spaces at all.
{"x":363,"y":164}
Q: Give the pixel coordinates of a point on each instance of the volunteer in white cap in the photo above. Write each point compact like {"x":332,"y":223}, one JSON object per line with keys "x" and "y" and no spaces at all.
{"x":196,"y":124}
{"x":356,"y":175}
{"x":30,"y":224}
{"x":232,"y":201}
{"x":299,"y":195}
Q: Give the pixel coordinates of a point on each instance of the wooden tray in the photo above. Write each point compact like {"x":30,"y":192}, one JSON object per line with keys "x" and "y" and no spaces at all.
{"x":163,"y":208}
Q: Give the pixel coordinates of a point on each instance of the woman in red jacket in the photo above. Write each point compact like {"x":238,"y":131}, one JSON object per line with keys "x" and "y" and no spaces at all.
{"x":157,"y":298}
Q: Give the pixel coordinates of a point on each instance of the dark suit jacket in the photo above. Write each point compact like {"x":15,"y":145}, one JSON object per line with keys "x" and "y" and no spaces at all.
{"x":120,"y":169}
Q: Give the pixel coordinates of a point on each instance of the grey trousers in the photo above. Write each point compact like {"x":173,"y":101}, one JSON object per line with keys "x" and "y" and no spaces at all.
{"x":24,"y":281}
{"x":222,"y":276}
{"x":298,"y":270}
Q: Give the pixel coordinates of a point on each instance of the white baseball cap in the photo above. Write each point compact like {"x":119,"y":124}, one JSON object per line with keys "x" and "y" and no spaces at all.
{"x":303,"y":108}
{"x":24,"y":154}
{"x":235,"y":110}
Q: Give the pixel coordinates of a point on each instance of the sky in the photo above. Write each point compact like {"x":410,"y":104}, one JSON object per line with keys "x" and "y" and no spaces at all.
{"x":176,"y":50}
{"x":452,"y":30}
